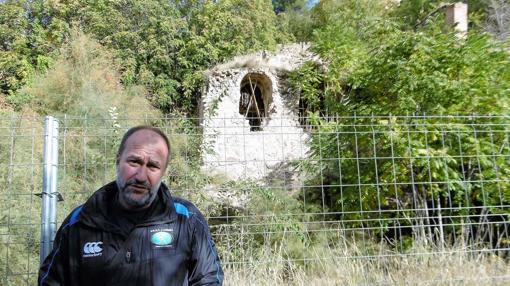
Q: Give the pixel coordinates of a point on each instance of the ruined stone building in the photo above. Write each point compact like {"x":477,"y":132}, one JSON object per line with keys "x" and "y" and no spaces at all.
{"x":250,"y":117}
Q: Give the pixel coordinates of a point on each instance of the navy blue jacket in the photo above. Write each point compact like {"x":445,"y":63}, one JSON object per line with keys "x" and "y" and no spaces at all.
{"x":172,"y":246}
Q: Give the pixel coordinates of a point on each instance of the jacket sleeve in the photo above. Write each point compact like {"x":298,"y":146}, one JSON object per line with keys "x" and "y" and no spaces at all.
{"x":205,"y":267}
{"x":55,"y":270}
{"x":52,"y":270}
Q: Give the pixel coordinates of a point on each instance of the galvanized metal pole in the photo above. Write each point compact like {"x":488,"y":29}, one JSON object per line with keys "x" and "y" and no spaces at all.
{"x":49,"y":193}
{"x":53,"y":183}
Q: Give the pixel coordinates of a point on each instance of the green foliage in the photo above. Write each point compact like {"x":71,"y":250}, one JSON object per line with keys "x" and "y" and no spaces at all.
{"x":293,"y":17}
{"x":297,"y":23}
{"x":288,"y":5}
{"x":143,"y":36}
{"x":413,"y":12}
{"x":158,"y":44}
{"x":344,"y":29}
{"x":15,"y":67}
{"x":432,"y":72}
{"x":404,"y":163}
{"x":27,"y":43}
{"x":308,"y":80}
{"x":18,"y":204}
{"x":273,"y":222}
{"x":162,"y":45}
{"x":83,"y":81}
{"x":375,"y":67}
{"x":100,"y":59}
{"x":220,"y":30}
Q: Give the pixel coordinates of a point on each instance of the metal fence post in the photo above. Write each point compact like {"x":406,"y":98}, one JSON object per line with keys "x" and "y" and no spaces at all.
{"x":49,"y":193}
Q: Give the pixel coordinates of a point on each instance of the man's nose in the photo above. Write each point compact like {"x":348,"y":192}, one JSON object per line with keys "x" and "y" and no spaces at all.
{"x":141,"y":174}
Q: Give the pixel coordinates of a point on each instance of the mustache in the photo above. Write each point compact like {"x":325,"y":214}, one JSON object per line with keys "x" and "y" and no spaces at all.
{"x":138,"y":184}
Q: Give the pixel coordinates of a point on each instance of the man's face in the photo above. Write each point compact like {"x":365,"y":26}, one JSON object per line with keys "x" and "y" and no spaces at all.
{"x":140,"y":169}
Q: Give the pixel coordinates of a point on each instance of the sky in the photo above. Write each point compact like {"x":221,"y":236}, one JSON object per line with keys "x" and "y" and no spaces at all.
{"x":312,"y":3}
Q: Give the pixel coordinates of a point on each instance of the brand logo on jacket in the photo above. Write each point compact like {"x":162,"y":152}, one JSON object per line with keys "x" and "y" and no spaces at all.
{"x":162,"y":239}
{"x":92,"y":249}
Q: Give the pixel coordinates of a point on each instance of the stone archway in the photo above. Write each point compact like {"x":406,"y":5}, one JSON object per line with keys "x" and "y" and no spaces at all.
{"x":255,"y":98}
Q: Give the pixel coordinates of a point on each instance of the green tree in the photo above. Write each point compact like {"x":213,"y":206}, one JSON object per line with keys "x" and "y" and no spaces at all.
{"x":280,"y":6}
{"x":162,"y":45}
{"x":294,"y":18}
{"x":413,"y":12}
{"x":376,"y":67}
{"x":219,"y":31}
{"x":83,"y":81}
{"x":144,"y":36}
{"x":27,"y":43}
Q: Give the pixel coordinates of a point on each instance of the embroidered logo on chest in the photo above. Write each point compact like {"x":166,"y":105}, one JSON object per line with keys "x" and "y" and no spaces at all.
{"x":92,"y":249}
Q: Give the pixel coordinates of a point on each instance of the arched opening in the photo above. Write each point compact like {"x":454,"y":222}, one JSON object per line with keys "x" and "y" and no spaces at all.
{"x":256,"y":95}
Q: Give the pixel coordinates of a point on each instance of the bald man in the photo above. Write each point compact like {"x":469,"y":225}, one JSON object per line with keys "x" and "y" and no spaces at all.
{"x":132,"y":231}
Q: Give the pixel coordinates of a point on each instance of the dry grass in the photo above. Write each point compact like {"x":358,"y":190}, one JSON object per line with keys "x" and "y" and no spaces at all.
{"x":345,"y":266}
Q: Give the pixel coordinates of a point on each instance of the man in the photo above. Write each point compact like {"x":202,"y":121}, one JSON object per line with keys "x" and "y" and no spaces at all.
{"x":132,"y":231}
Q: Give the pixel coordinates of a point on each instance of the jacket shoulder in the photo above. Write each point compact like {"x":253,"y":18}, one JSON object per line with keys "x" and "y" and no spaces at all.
{"x":72,"y":218}
{"x":185,"y":208}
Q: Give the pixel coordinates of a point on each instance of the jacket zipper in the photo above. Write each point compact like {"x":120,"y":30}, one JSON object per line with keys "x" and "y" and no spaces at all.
{"x":128,"y":256}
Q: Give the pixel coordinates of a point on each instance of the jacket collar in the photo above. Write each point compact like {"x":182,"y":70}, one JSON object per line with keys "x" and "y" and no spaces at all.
{"x":97,"y":210}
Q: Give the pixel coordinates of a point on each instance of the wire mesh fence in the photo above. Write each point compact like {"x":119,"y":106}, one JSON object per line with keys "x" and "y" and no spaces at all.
{"x":292,"y":194}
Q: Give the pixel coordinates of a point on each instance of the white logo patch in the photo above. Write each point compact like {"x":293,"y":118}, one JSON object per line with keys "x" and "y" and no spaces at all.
{"x":91,"y":249}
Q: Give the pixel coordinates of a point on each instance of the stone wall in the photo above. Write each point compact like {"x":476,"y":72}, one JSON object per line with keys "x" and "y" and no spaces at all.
{"x":232,"y":147}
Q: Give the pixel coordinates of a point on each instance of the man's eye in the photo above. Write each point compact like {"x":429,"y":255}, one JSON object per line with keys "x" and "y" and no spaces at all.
{"x":153,"y":167}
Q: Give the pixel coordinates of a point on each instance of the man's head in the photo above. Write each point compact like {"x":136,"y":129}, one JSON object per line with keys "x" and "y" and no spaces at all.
{"x":141,"y":163}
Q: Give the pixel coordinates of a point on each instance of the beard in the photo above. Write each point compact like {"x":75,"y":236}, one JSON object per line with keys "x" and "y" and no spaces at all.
{"x":128,"y":195}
